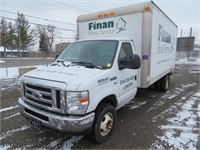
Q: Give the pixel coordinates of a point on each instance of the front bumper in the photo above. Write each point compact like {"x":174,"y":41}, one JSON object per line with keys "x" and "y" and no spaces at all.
{"x":64,"y":123}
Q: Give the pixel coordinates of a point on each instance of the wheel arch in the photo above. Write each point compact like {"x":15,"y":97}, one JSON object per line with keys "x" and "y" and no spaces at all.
{"x":110,"y":99}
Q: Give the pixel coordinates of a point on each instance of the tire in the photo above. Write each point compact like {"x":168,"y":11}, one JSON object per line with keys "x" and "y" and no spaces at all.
{"x":157,"y":85}
{"x":104,"y":123}
{"x":164,"y":83}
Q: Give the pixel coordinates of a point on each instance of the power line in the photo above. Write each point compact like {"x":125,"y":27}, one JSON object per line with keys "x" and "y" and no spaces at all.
{"x":39,"y":24}
{"x":63,"y":5}
{"x":45,"y":19}
{"x":71,"y":6}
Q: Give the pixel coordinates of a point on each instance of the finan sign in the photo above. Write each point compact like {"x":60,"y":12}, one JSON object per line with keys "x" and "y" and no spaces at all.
{"x":107,"y":27}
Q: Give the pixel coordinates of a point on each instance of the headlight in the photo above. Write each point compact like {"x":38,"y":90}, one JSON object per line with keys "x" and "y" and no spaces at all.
{"x":77,"y":102}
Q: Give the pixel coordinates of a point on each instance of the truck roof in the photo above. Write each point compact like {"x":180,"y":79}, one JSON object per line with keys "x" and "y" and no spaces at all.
{"x":109,"y":38}
{"x":130,"y":9}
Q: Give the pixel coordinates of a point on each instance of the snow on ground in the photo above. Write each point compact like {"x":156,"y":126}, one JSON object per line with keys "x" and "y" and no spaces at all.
{"x":9,"y":108}
{"x":1,"y":61}
{"x":11,"y":72}
{"x":67,"y":145}
{"x":169,"y":95}
{"x":190,"y":61}
{"x":9,"y":84}
{"x":134,"y":104}
{"x":70,"y":143}
{"x":181,"y":130}
{"x":10,"y":132}
{"x":4,"y":147}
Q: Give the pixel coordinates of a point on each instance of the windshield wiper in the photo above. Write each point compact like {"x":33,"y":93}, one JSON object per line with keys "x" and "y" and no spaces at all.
{"x":88,"y":65}
{"x":61,"y":61}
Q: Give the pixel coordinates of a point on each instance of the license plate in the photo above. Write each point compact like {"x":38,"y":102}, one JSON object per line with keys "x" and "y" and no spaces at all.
{"x":35,"y":123}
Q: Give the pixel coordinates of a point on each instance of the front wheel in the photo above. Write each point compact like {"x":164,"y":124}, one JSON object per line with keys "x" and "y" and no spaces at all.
{"x":104,"y":123}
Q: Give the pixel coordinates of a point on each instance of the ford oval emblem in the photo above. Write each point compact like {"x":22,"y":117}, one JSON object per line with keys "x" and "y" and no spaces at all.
{"x":37,"y":95}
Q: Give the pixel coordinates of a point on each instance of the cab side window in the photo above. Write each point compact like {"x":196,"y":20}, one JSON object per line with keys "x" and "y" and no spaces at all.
{"x":125,"y":51}
{"x":125,"y":55}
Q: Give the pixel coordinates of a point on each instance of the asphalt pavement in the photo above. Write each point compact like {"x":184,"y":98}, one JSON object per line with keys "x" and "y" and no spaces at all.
{"x":154,"y":120}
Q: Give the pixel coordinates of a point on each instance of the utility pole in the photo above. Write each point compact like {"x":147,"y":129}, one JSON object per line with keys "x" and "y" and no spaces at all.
{"x":180,"y":44}
{"x":189,"y":48}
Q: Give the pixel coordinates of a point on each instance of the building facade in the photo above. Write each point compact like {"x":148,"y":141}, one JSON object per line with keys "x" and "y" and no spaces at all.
{"x":61,"y":46}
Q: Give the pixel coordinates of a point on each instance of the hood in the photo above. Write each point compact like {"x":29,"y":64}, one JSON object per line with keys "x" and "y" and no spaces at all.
{"x":73,"y":76}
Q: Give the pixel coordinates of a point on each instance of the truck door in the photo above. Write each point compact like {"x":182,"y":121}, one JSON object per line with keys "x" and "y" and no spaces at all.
{"x":127,"y":77}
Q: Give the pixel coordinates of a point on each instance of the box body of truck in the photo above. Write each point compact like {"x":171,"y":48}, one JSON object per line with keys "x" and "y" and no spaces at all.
{"x":119,"y":51}
{"x":153,"y":33}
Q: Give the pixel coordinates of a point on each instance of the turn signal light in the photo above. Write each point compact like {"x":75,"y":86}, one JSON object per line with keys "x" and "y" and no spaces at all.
{"x":111,"y":14}
{"x":105,"y":15}
{"x":99,"y":16}
{"x":83,"y":100}
{"x":147,"y":9}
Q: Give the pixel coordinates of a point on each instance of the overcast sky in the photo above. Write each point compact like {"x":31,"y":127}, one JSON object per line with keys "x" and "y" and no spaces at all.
{"x":185,"y":13}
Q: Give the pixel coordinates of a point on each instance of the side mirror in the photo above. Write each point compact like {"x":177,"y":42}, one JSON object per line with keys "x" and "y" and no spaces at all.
{"x":136,"y":62}
{"x":124,"y":63}
{"x":132,"y":63}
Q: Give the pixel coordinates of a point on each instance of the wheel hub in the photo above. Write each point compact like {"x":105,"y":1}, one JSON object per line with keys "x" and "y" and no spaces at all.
{"x":106,"y":124}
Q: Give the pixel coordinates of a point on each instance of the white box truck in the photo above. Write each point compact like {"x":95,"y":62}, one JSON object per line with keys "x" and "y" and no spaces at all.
{"x":118,"y":51}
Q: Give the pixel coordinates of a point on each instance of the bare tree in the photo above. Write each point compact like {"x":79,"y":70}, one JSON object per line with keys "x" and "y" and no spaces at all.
{"x":47,"y":35}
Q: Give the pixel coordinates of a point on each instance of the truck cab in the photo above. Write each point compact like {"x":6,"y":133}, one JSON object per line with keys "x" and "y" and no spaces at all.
{"x":83,"y":88}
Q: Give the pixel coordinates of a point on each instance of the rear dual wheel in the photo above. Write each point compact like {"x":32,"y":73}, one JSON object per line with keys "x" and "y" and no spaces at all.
{"x":163,"y":84}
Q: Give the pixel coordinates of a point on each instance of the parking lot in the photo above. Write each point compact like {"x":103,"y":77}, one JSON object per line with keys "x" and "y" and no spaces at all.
{"x":154,"y":120}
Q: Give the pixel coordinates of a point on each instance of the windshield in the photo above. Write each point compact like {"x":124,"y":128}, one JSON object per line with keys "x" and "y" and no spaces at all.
{"x":98,"y":52}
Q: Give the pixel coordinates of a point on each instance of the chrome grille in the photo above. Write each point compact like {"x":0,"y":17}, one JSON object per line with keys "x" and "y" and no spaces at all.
{"x":44,"y":97}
